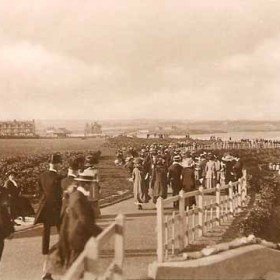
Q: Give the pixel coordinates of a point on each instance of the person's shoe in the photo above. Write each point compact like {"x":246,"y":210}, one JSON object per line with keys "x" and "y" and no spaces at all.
{"x":140,"y":207}
{"x":47,"y":276}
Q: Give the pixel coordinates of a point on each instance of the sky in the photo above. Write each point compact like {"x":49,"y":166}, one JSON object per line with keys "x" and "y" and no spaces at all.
{"x":122,"y":59}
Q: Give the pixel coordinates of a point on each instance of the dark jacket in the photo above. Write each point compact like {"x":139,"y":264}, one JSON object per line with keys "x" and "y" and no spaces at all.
{"x":159,"y":181}
{"x":174,"y":176}
{"x":188,"y":179}
{"x":229,"y":175}
{"x":237,"y":169}
{"x":51,"y":199}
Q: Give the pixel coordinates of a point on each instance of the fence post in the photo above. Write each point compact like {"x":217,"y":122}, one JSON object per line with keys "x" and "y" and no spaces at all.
{"x":239,"y":198}
{"x":200,"y":211}
{"x":92,"y":255}
{"x":160,"y":230}
{"x":182,"y":234}
{"x":230,"y":194}
{"x":244,"y":188}
{"x":218,"y":201}
{"x":119,"y":243}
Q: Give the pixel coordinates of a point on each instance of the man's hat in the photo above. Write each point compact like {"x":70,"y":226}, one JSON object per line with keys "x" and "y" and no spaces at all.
{"x":88,"y":175}
{"x":56,"y":158}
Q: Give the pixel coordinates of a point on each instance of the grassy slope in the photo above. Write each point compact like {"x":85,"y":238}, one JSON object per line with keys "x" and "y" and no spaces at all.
{"x":113,"y":179}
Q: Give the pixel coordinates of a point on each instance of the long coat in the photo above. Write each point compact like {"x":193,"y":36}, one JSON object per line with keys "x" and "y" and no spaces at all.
{"x":188,"y":184}
{"x":81,"y":224}
{"x":174,"y":177}
{"x":159,"y":181}
{"x":188,"y":179}
{"x":51,"y":199}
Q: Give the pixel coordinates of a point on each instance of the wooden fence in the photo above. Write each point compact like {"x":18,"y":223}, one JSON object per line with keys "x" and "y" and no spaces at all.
{"x":231,"y":145}
{"x":183,"y":227}
{"x":87,"y":264}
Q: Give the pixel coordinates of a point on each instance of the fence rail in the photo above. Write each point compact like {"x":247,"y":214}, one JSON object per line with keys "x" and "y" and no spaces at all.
{"x":230,"y":145}
{"x":87,"y":264}
{"x":190,"y":222}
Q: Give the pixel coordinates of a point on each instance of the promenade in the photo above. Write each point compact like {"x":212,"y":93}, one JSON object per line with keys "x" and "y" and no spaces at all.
{"x":22,"y":259}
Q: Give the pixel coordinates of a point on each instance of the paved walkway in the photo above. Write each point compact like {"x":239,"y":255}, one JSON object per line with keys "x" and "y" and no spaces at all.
{"x":22,"y":259}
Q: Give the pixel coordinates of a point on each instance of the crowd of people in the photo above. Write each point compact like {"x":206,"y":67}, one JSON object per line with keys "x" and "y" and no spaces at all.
{"x":153,"y":168}
{"x":70,"y":204}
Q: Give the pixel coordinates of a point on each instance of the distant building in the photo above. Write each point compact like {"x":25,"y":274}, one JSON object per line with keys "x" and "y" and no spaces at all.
{"x":17,"y":129}
{"x":93,"y":129}
{"x":58,"y":132}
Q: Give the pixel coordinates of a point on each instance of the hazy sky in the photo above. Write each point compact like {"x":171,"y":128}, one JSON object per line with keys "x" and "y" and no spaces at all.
{"x":189,"y":59}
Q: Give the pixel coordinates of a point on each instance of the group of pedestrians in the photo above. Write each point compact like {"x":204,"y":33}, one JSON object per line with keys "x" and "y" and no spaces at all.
{"x":153,"y":168}
{"x":70,"y":204}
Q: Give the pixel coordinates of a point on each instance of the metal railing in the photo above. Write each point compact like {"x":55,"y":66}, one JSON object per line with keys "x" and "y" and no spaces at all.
{"x":190,"y":222}
{"x":87,"y":264}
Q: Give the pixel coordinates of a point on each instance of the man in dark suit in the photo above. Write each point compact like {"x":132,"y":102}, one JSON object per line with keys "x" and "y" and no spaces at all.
{"x":174,"y":177}
{"x":49,"y":206}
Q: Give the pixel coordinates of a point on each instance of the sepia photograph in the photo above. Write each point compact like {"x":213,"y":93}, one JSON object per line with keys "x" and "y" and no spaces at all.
{"x":139,"y":139}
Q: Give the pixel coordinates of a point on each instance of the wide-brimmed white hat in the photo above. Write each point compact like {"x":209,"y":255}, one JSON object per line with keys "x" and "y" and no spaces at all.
{"x":88,"y":175}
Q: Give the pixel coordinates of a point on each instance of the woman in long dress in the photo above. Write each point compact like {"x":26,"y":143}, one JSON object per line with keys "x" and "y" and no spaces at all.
{"x":138,"y":183}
